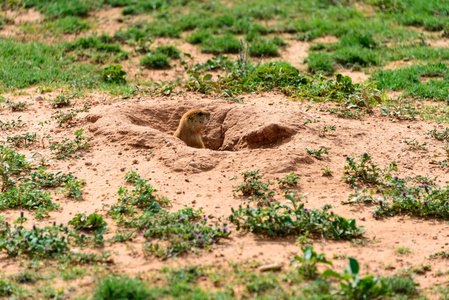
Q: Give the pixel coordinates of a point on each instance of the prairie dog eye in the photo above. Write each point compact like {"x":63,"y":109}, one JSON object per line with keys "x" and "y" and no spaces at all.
{"x":200,"y":113}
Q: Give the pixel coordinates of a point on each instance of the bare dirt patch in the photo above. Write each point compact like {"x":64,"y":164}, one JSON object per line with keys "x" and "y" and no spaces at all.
{"x":19,"y":17}
{"x":295,"y":53}
{"x":266,"y":133}
{"x":109,"y":20}
{"x":444,"y":43}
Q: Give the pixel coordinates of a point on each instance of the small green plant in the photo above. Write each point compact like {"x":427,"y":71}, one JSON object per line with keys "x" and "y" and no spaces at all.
{"x":22,"y":140}
{"x":170,"y":51}
{"x":317,"y":153}
{"x":186,"y":230}
{"x":320,"y":62}
{"x":400,"y":109}
{"x":307,"y":263}
{"x":155,"y":61}
{"x":441,"y":136}
{"x":403,"y":250}
{"x":143,"y":196}
{"x":11,"y":163}
{"x":360,"y":196}
{"x":354,"y":287}
{"x":73,"y":187}
{"x":289,"y":180}
{"x":67,"y":148}
{"x":326,"y":129}
{"x":421,"y":199}
{"x":279,"y":220}
{"x":61,"y":100}
{"x":92,"y":222}
{"x":12,"y":124}
{"x":41,"y":178}
{"x":327,"y":171}
{"x":63,"y":118}
{"x":252,"y":186}
{"x":415,"y":145}
{"x":19,"y":106}
{"x":37,"y":242}
{"x":27,"y":197}
{"x":114,"y":74}
{"x":115,"y":287}
{"x":263,"y":48}
{"x":364,"y":170}
{"x":441,"y":254}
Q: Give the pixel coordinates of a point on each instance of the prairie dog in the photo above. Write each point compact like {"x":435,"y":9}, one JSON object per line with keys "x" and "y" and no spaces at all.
{"x":189,"y":129}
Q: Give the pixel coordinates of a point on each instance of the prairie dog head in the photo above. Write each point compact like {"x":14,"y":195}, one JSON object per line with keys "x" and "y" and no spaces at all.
{"x":197,"y":119}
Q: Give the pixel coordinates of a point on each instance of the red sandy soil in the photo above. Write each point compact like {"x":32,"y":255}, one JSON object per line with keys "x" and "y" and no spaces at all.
{"x":267,"y":132}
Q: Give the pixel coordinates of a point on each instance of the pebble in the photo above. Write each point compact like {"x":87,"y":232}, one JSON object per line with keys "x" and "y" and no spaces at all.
{"x":39,"y":98}
{"x":193,"y":164}
{"x":135,"y":162}
{"x":271,"y":267}
{"x":88,"y":163}
{"x":435,"y":237}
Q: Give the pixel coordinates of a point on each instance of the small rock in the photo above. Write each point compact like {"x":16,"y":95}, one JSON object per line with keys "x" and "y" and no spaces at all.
{"x":135,"y":162}
{"x":271,"y":267}
{"x":168,"y":143}
{"x":193,"y":164}
{"x":435,"y":237}
{"x":39,"y":98}
{"x":122,"y":169}
{"x":88,"y":163}
{"x":187,"y":180}
{"x":362,"y":219}
{"x":178,"y":192}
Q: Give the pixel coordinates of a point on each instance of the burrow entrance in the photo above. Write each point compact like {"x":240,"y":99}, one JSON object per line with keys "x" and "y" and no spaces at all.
{"x":232,"y":127}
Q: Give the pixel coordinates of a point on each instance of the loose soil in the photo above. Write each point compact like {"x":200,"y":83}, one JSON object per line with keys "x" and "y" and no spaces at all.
{"x":266,"y":132}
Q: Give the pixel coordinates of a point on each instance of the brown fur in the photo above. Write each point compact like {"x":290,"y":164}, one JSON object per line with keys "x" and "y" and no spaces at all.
{"x":189,"y":129}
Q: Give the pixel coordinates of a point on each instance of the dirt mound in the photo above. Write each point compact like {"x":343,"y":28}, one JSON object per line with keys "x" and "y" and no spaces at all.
{"x":233,"y":134}
{"x":233,"y":127}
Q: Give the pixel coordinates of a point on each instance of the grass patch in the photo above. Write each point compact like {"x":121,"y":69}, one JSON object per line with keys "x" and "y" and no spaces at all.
{"x":222,"y":44}
{"x":320,"y":62}
{"x":408,"y":79}
{"x":121,"y":288}
{"x":23,"y":65}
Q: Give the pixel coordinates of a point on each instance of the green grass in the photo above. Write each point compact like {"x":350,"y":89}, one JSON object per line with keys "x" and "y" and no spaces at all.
{"x":227,"y":43}
{"x":156,"y":61}
{"x":66,"y":25}
{"x":23,"y":65}
{"x":410,"y":79}
{"x":60,"y":8}
{"x":264,"y":48}
{"x":320,"y":62}
{"x":121,"y":288}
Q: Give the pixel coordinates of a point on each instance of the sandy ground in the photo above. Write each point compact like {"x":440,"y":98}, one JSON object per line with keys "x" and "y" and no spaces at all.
{"x":266,"y":132}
